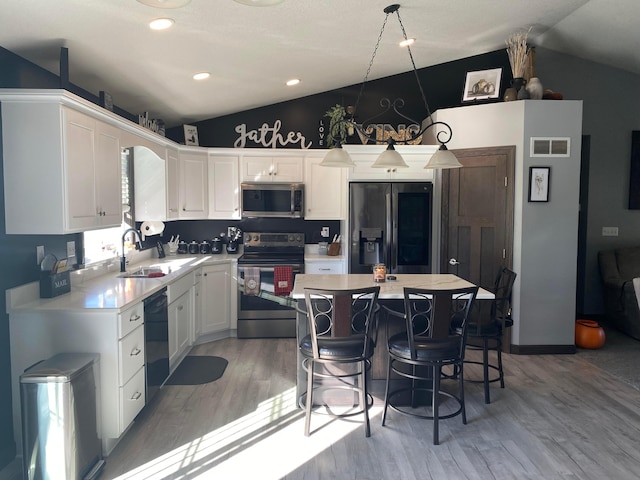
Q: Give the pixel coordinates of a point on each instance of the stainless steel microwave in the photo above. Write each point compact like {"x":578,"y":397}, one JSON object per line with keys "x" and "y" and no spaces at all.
{"x":283,"y":200}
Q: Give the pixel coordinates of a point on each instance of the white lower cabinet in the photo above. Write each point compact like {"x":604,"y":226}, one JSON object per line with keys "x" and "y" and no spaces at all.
{"x":329,"y":267}
{"x":215,"y":298}
{"x":179,"y":328}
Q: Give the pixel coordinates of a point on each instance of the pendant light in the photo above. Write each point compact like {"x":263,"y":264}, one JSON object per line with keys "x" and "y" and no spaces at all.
{"x":390,"y":158}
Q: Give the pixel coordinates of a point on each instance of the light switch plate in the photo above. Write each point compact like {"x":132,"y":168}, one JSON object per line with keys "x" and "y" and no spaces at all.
{"x":324,"y":232}
{"x":71,"y":249}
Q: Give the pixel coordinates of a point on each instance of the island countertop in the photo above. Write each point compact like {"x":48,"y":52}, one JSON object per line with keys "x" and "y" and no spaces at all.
{"x":390,"y":289}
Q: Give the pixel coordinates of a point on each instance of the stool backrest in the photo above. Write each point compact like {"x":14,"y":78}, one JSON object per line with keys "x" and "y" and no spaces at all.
{"x":336,"y":314}
{"x":437,"y":314}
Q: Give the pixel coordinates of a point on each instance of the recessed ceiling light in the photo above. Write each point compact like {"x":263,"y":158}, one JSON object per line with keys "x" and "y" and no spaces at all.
{"x":165,"y":3}
{"x":293,"y":81}
{"x":407,"y":42}
{"x":201,"y":76}
{"x":259,"y":3}
{"x":161,"y":23}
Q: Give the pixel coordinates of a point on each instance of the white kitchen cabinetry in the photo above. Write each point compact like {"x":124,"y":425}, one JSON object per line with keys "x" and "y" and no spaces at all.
{"x":173,"y":186}
{"x":325,"y":191}
{"x":68,"y":180}
{"x":416,"y":157}
{"x":281,"y":169}
{"x":118,"y":337}
{"x":193,"y":184}
{"x":196,"y":306}
{"x":328,"y":267}
{"x":155,"y":181}
{"x":180,"y":300}
{"x":216,"y":298}
{"x":224,"y":187}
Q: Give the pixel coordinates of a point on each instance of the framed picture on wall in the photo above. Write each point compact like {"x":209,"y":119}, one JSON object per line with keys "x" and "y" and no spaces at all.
{"x":191,"y":135}
{"x":539,"y":178}
{"x":482,"y":85}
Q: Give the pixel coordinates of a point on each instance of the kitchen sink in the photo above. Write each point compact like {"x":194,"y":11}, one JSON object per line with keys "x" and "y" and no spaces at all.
{"x":143,"y":273}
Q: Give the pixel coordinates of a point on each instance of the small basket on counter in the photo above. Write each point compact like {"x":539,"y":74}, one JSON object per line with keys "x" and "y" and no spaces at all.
{"x":55,"y":277}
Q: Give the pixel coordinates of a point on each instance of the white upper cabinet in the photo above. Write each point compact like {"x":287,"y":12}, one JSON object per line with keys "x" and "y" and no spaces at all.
{"x":416,"y":157}
{"x":173,"y":184}
{"x":325,"y":191}
{"x":280,"y":169}
{"x":61,"y":169}
{"x":224,"y":186}
{"x":193,"y":184}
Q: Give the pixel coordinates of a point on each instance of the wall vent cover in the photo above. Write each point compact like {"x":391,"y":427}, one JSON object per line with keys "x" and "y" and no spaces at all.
{"x":550,"y":147}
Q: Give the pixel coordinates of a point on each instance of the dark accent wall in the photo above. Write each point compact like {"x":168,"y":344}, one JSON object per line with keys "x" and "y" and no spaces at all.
{"x":443,"y":85}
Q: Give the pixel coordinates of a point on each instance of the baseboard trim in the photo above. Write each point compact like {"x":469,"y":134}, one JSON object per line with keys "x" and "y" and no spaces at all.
{"x":542,"y":349}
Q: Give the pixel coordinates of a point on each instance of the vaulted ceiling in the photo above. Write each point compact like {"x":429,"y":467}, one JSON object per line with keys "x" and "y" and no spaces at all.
{"x":252,"y":51}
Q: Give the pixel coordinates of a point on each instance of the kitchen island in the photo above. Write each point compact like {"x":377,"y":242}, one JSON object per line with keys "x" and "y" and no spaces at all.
{"x":391,"y":294}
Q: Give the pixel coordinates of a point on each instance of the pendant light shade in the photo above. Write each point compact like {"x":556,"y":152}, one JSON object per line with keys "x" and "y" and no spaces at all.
{"x":390,"y":158}
{"x":337,"y":157}
{"x":443,"y":158}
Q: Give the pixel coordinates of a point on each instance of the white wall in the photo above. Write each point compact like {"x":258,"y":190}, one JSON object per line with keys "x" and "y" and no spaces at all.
{"x":545,"y":234}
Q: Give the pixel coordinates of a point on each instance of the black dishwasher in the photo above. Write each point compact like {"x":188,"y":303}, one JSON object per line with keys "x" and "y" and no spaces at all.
{"x":156,"y":341}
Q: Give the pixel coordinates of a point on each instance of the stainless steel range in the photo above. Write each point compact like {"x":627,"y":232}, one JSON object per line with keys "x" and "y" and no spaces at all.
{"x":266,"y":272}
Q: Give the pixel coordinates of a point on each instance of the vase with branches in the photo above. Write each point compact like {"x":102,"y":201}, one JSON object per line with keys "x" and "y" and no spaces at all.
{"x":518,"y":52}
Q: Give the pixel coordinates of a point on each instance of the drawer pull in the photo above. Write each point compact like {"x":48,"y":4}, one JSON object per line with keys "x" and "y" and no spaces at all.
{"x":325,"y":269}
{"x":135,"y":352}
{"x":136,"y":396}
{"x":135,"y":318}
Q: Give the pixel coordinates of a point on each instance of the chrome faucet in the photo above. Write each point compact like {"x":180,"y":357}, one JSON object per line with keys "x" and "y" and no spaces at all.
{"x":123,"y":258}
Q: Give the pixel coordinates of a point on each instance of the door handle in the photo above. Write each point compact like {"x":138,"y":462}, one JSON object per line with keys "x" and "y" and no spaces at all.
{"x":453,"y":261}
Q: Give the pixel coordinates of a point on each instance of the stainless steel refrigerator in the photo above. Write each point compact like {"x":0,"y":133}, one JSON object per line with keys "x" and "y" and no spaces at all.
{"x":390,"y":223}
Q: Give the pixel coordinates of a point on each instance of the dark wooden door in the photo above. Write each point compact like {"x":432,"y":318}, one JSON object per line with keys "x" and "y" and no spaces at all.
{"x":477,"y":214}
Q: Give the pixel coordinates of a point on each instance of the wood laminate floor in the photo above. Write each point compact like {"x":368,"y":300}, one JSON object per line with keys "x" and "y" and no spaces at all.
{"x":559,"y":417}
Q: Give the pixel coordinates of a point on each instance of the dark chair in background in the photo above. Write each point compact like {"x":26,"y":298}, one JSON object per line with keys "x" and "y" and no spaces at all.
{"x":337,"y":351}
{"x":428,"y":342}
{"x":486,"y":327}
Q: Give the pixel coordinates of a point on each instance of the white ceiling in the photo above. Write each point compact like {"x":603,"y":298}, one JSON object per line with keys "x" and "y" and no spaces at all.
{"x":252,"y":51}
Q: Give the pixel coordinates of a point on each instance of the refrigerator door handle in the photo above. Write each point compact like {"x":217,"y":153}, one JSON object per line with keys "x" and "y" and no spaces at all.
{"x":390,"y":247}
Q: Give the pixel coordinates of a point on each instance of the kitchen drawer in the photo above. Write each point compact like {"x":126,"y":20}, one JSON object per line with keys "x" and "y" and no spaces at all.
{"x":131,"y":353}
{"x":178,"y":288}
{"x":329,"y":267}
{"x":132,"y":399}
{"x":130,"y":319}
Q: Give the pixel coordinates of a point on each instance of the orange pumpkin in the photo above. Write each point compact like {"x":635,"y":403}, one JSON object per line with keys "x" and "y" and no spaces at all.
{"x":589,"y":334}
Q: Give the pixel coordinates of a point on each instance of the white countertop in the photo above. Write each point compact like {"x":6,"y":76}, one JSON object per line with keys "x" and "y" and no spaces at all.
{"x":390,"y":289}
{"x":109,"y":291}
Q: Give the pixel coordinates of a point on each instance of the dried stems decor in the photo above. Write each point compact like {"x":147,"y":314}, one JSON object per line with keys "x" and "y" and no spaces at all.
{"x":518,"y":52}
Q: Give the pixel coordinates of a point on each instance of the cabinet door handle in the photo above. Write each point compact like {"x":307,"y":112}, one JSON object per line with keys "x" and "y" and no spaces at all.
{"x":135,"y":352}
{"x":180,"y":307}
{"x":135,"y":318}
{"x":136,"y":396}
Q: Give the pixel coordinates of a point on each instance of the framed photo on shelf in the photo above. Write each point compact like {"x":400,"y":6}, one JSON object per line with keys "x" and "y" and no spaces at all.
{"x":191,"y":135}
{"x":539,"y":178}
{"x":482,"y":85}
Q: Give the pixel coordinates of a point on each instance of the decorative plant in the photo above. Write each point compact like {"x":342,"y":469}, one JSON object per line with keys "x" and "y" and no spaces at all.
{"x":518,"y":52}
{"x":337,"y":126}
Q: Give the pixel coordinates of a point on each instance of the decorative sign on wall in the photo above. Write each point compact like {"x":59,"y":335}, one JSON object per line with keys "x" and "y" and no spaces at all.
{"x":269,"y":137}
{"x":155,"y":125}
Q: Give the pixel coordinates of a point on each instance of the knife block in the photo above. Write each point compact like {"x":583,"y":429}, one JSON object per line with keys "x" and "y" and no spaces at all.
{"x":54,"y":285}
{"x":334,"y":249}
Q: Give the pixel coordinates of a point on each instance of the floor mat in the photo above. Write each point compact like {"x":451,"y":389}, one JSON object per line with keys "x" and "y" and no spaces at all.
{"x":198,"y":370}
